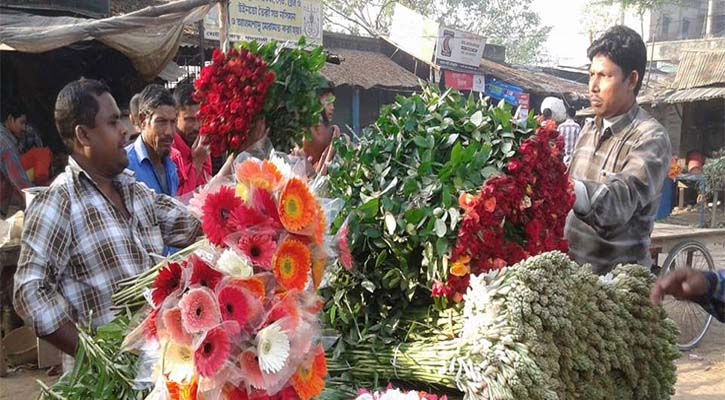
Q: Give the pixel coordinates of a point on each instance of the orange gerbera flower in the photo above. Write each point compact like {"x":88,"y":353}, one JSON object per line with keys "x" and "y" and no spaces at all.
{"x":179,"y":391}
{"x":254,"y":285}
{"x":320,"y":226}
{"x":297,"y":206}
{"x":291,"y":264}
{"x":263,"y":175}
{"x":318,"y":269}
{"x":309,"y":380}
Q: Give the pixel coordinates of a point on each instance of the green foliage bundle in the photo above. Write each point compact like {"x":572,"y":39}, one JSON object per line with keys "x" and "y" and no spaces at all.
{"x":401,"y":188}
{"x":292,"y":105}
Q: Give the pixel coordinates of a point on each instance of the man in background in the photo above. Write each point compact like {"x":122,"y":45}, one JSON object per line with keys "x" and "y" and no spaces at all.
{"x":13,"y":178}
{"x":192,"y":155}
{"x":133,"y":117}
{"x":569,"y":130}
{"x":149,"y":155}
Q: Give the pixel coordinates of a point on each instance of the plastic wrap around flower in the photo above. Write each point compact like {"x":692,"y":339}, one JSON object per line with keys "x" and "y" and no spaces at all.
{"x":238,"y":318}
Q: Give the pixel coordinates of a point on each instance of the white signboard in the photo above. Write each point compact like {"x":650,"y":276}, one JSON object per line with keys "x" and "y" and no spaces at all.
{"x":459,"y":49}
{"x":413,"y":33}
{"x":263,"y":20}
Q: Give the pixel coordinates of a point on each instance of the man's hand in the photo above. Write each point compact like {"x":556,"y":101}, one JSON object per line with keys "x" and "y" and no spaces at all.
{"x":683,"y":284}
{"x":257,"y":133}
{"x":224,"y":173}
{"x":199,"y":154}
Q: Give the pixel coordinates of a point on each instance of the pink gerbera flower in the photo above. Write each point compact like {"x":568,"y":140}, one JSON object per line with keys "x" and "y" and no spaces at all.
{"x":202,"y":274}
{"x":167,"y":281}
{"x":249,"y":365}
{"x":234,"y":305}
{"x":259,"y":248}
{"x":199,"y":310}
{"x":212,"y":352}
{"x":175,"y":327}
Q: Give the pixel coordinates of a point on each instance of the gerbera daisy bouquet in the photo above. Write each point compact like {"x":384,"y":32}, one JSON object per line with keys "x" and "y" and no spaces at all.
{"x":238,"y":318}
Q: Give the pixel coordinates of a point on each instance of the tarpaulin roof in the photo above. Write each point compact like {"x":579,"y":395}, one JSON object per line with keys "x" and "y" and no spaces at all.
{"x":148,"y":37}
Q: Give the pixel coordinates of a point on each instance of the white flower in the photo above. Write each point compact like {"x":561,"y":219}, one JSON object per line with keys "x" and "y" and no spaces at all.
{"x":607,"y":279}
{"x":178,"y":362}
{"x":272,"y":349}
{"x":231,"y":263}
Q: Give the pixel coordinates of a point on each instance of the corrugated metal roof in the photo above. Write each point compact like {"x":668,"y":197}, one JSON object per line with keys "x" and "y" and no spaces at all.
{"x":368,"y":69}
{"x":535,"y":81}
{"x":696,"y":94}
{"x":700,"y":68}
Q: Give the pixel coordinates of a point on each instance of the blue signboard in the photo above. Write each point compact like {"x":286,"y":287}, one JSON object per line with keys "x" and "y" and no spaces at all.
{"x":499,"y":90}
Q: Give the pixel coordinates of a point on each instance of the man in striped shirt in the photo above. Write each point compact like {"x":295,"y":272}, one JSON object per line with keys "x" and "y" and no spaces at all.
{"x":620,"y":161}
{"x":569,"y":130}
{"x":704,"y":288}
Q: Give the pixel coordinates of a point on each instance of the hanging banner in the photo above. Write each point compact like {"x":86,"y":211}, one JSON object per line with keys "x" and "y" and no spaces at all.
{"x":523,"y":99}
{"x":264,"y":20}
{"x":413,"y":33}
{"x":458,"y":80}
{"x":459,"y":49}
{"x":509,"y":93}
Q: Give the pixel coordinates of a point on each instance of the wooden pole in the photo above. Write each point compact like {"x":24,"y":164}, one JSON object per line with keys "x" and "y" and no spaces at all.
{"x":202,"y":54}
{"x":224,"y":25}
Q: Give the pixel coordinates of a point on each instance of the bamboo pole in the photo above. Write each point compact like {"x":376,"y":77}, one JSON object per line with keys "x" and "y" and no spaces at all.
{"x":224,"y":25}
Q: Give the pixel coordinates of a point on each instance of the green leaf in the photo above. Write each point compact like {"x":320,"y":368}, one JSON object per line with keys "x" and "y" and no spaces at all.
{"x":370,"y":207}
{"x":477,"y":118}
{"x":456,"y":154}
{"x":414,"y":216}
{"x":369,"y":286}
{"x":440,"y":227}
{"x":421,"y":141}
{"x":390,"y":223}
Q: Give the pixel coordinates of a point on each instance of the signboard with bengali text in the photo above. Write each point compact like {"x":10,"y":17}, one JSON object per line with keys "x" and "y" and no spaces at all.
{"x":459,"y":49}
{"x":264,"y":20}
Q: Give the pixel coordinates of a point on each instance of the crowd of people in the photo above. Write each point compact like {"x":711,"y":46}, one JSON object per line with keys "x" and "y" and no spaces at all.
{"x":119,"y":202}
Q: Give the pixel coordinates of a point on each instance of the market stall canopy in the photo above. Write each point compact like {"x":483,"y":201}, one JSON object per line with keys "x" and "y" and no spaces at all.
{"x":148,"y":37}
{"x":700,"y":76}
{"x":368,"y":69}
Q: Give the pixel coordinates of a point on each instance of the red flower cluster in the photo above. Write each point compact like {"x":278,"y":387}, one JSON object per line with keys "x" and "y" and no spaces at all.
{"x":231,"y":92}
{"x":517,"y":215}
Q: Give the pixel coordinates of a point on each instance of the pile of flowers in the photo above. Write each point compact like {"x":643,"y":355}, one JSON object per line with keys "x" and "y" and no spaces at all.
{"x":238,"y":319}
{"x":231,"y":92}
{"x":516,"y":215}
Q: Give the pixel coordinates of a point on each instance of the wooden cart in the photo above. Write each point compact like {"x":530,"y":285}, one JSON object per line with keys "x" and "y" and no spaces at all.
{"x":674,"y":247}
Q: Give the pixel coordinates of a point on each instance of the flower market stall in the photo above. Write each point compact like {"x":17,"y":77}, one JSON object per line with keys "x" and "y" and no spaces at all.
{"x":431,"y":257}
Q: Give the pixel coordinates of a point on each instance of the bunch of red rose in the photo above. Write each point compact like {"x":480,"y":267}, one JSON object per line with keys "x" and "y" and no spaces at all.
{"x":516,"y":215}
{"x":231,"y":92}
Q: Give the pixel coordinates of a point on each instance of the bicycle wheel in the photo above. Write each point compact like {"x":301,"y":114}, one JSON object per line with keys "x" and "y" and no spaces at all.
{"x":690,"y":318}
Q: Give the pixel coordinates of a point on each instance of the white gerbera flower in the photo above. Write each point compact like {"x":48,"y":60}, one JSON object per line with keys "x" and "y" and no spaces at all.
{"x":232,"y":264}
{"x":272,"y":349}
{"x":178,"y":362}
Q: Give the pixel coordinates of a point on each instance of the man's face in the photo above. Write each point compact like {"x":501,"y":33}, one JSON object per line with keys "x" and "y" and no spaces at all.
{"x":611,"y":93}
{"x":328,"y":102}
{"x":187,"y":125}
{"x":16,"y":126}
{"x":158,"y":130}
{"x":107,"y":138}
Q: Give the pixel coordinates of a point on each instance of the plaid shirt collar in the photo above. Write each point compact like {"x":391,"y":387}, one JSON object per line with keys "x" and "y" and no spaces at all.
{"x":8,"y":136}
{"x":621,"y":121}
{"x":125,"y":178}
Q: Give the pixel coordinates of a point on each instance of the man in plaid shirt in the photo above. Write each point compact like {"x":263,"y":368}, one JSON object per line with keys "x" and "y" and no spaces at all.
{"x":705,"y":288}
{"x":94,"y":226}
{"x":13,"y":178}
{"x":620,"y":161}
